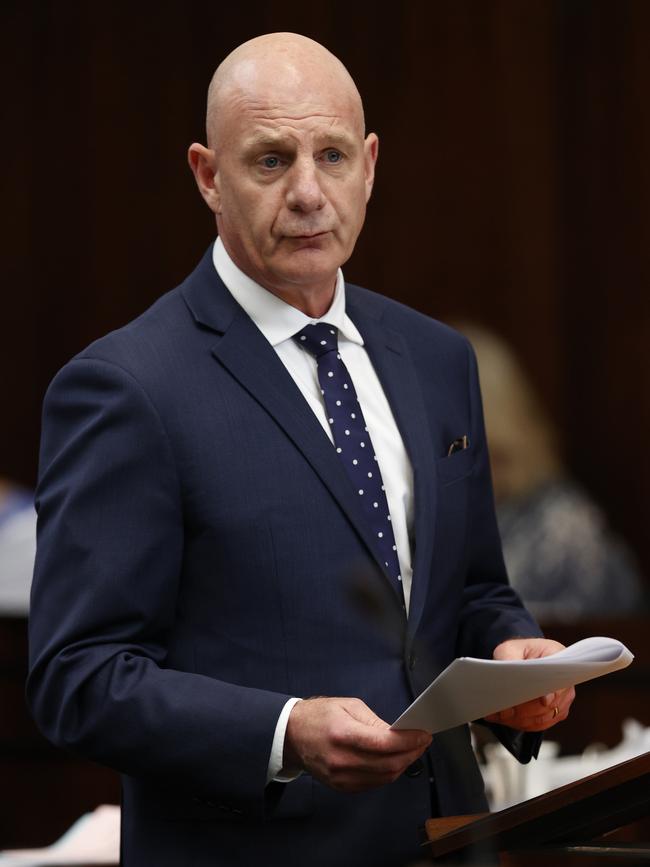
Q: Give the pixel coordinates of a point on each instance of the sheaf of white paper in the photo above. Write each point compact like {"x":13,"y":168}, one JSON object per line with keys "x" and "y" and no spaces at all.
{"x":469,"y":688}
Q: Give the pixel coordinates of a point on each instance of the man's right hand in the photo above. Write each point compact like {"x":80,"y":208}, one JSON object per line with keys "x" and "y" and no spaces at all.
{"x":342,"y":743}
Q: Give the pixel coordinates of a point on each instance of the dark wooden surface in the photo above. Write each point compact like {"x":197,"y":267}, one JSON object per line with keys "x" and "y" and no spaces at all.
{"x":619,"y":856}
{"x":576,"y":813}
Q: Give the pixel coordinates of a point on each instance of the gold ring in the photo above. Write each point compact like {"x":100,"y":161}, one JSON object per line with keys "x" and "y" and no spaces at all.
{"x":556,"y":711}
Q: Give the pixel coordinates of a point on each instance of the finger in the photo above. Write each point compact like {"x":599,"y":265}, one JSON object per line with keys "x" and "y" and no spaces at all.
{"x":372,"y":741}
{"x":526,"y":648}
{"x":345,"y":745}
{"x":528,"y":709}
{"x":373,"y":734}
{"x":556,"y":703}
{"x":527,"y":719}
{"x":360,"y":762}
{"x":387,"y":765}
{"x":502,"y":716}
{"x":540,"y":712}
{"x":537,"y":706}
{"x":508,"y":650}
{"x":544,"y":721}
{"x":358,"y":710}
{"x":369,"y":733}
{"x":380,"y":771}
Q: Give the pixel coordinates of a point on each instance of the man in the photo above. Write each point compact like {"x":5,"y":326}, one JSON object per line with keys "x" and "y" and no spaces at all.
{"x":206,"y":554}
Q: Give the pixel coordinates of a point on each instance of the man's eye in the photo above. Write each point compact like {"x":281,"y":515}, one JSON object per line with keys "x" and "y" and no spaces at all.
{"x":270,"y":162}
{"x":333,"y":156}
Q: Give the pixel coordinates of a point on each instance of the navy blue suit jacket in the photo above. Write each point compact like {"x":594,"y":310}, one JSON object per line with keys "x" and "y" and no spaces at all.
{"x":202,"y":558}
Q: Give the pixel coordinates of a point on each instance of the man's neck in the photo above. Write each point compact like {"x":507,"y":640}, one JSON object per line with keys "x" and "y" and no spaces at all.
{"x":312,"y":303}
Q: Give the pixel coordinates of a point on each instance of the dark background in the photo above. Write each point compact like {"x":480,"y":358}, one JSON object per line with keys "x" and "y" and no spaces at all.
{"x":513,"y":188}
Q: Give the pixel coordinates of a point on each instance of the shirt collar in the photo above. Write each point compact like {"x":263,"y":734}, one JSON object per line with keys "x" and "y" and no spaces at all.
{"x":277,"y":320}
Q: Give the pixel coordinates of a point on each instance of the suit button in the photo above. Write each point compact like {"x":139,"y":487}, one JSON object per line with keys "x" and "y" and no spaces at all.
{"x":415,"y":769}
{"x":412,"y":660}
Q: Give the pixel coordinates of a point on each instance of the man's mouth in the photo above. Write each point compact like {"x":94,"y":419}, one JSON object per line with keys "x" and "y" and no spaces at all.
{"x":307,"y":236}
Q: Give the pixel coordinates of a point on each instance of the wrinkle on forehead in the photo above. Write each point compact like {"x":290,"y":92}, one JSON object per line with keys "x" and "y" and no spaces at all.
{"x":287,"y":135}
{"x":281,"y":76}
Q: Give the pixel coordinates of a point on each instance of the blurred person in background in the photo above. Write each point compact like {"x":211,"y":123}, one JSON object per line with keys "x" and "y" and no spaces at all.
{"x":561,"y":556}
{"x":17,"y":547}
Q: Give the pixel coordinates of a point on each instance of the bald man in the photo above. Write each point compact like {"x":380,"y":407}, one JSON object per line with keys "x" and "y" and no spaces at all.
{"x":215,"y":611}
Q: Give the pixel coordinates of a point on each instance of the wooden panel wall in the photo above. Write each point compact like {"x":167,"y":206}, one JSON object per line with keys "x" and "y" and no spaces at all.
{"x":513,"y":189}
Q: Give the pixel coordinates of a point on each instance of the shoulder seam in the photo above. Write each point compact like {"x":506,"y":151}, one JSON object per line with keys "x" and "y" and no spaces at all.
{"x":83,"y":357}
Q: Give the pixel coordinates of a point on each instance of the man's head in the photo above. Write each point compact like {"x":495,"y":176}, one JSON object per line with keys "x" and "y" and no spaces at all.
{"x":287,"y":170}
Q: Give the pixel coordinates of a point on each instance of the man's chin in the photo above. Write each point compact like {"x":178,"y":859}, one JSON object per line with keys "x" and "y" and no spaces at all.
{"x":305,"y":276}
{"x":309,"y":265}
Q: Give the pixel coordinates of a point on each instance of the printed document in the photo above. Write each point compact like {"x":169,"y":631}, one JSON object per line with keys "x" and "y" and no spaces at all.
{"x":469,"y":688}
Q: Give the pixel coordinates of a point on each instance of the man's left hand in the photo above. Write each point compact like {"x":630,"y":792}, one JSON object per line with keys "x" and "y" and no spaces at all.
{"x":540,"y":713}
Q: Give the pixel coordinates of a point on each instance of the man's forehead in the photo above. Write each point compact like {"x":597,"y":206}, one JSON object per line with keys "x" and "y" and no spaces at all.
{"x":254,"y":119}
{"x":277,"y":85}
{"x":278,"y":98}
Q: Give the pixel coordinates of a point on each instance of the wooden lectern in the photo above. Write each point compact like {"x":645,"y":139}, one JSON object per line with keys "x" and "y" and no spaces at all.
{"x":565,"y":826}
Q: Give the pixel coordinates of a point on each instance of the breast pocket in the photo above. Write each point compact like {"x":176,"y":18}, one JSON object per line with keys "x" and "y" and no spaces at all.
{"x":455,"y":467}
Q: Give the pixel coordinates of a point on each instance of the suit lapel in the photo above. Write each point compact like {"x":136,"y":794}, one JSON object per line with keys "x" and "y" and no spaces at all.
{"x":244,"y":351}
{"x":392,"y":361}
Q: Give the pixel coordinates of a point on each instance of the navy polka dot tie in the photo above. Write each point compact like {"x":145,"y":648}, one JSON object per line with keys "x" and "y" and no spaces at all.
{"x":351,"y":438}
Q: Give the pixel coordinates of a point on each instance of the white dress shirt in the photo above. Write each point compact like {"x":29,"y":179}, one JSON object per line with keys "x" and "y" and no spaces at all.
{"x":278,"y":322}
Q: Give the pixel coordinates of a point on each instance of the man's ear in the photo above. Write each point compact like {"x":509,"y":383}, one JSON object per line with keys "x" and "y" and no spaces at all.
{"x":203,"y":163}
{"x":370,"y":152}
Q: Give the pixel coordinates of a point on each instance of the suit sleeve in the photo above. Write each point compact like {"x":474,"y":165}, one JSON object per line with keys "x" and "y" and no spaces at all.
{"x":105,"y":601}
{"x":492,"y":611}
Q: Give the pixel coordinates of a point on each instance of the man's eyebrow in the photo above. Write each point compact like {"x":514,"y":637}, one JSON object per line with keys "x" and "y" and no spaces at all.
{"x":341,"y":138}
{"x":263,"y":141}
{"x":269,"y":141}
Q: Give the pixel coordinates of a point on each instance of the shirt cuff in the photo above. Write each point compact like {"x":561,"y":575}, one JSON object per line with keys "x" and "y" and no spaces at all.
{"x":277,"y":747}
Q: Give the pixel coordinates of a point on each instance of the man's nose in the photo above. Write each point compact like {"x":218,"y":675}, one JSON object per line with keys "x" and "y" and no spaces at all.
{"x":304,"y":192}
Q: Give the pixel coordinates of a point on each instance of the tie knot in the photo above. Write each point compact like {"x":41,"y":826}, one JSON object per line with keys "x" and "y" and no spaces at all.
{"x":318,"y":338}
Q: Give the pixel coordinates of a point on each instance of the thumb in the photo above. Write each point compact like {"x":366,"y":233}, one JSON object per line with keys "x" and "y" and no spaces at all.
{"x":376,"y":734}
{"x":361,"y":713}
{"x":512,"y":649}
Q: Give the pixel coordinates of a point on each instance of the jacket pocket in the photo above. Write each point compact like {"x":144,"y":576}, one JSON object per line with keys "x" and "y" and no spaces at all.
{"x":455,"y":467}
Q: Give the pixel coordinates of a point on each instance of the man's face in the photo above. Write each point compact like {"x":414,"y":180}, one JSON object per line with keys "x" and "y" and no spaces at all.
{"x":292,"y":178}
